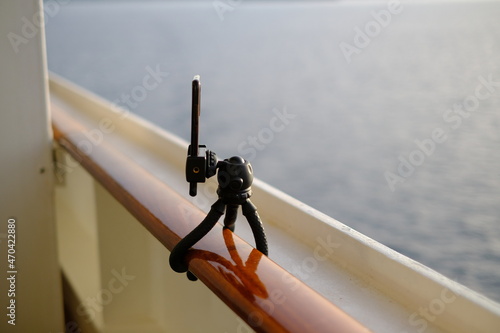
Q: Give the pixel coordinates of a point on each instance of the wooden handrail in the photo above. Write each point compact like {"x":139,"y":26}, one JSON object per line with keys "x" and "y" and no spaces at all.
{"x":263,"y":294}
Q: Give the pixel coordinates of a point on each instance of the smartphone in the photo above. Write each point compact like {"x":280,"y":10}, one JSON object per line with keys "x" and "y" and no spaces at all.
{"x":196,"y":161}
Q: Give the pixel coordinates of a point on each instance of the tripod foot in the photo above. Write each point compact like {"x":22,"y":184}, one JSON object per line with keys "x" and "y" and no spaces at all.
{"x":191,"y":276}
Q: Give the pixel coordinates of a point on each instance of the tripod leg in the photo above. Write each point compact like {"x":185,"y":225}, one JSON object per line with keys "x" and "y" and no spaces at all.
{"x":253,"y":218}
{"x":178,"y":253}
{"x":230,"y":218}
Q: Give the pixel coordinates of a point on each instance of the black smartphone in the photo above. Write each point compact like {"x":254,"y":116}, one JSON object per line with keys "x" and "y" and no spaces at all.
{"x":196,"y":161}
{"x":195,"y":116}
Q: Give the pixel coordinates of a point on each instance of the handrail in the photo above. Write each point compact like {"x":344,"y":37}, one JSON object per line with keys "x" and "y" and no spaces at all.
{"x":263,"y":294}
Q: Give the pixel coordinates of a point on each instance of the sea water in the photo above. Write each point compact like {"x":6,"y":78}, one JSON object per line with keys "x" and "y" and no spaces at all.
{"x":384,"y":116}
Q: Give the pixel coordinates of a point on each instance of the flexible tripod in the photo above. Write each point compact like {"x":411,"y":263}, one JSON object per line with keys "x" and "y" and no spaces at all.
{"x":235,"y":177}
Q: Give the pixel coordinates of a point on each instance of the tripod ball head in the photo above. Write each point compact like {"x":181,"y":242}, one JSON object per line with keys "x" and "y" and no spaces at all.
{"x":235,"y":175}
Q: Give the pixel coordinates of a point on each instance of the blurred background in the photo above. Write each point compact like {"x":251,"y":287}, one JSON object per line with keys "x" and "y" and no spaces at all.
{"x":382,"y":115}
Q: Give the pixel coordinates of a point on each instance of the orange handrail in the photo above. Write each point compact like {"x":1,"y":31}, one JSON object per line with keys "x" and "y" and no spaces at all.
{"x":262,"y":293}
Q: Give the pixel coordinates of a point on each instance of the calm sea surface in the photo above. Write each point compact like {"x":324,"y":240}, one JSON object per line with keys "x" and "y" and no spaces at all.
{"x":387,"y":121}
